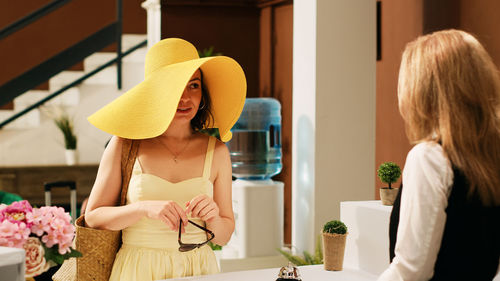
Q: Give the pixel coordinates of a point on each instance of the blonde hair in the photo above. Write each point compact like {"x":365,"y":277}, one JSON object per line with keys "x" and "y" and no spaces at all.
{"x":449,"y":92}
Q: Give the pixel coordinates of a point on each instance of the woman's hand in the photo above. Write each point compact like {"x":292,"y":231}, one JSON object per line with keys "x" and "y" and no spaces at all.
{"x":168,"y":212}
{"x":203,"y":207}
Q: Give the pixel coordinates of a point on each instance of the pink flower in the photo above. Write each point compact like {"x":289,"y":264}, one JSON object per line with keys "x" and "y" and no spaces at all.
{"x":54,"y":226}
{"x":13,"y":234}
{"x":51,"y":225}
{"x":35,"y":260}
{"x":16,"y":212}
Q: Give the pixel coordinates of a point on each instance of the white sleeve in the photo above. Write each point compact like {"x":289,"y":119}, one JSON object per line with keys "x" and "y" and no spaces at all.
{"x":427,"y":180}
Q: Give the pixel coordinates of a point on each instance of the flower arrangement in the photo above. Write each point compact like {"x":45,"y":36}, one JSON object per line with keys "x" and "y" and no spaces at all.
{"x":45,"y":233}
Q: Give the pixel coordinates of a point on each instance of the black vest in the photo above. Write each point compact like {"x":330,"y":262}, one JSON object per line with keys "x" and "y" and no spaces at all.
{"x":470,"y":248}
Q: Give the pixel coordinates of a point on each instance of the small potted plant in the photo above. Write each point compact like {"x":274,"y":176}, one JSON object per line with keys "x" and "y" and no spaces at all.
{"x":334,"y":237}
{"x":388,"y":172}
{"x":65,"y":124}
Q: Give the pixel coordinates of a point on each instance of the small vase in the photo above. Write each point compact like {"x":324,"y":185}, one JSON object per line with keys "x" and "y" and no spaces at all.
{"x":388,"y":195}
{"x":333,"y":251}
{"x":71,"y":157}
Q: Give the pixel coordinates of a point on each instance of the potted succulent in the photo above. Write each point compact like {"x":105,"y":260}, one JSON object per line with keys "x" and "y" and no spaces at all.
{"x":388,"y":172}
{"x":334,"y":237}
{"x":65,"y":124}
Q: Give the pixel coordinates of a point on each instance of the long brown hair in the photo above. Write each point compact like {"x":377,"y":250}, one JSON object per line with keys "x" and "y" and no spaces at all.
{"x":449,"y":92}
{"x":203,"y":118}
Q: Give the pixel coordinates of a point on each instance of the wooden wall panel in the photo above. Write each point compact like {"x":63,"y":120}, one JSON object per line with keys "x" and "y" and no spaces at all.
{"x":58,"y":30}
{"x":276,"y":56}
{"x":480,"y":17}
{"x":232,"y":30}
{"x":29,"y":182}
{"x":282,"y":90}
{"x":439,"y":15}
{"x":266,"y":51}
{"x":401,"y":23}
{"x":51,"y":34}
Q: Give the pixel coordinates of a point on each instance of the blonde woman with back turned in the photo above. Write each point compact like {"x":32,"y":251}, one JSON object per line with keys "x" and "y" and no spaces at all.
{"x":449,"y":208}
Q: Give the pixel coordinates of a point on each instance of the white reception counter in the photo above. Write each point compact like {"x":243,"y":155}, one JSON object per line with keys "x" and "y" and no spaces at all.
{"x":308,"y":273}
{"x":366,"y":253}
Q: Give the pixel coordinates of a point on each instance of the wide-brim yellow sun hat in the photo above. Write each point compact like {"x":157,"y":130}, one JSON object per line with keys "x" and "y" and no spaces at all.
{"x":146,"y":110}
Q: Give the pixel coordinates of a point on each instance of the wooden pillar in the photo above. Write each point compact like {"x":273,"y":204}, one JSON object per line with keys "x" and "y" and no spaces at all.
{"x":275,"y":80}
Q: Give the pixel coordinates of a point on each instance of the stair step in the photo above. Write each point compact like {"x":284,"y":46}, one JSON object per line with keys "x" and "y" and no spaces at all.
{"x":106,"y":76}
{"x":27,"y":121}
{"x":29,"y":98}
{"x":17,"y":137}
{"x":97,"y":59}
{"x":64,"y":78}
{"x":70,"y":97}
{"x":130,"y":40}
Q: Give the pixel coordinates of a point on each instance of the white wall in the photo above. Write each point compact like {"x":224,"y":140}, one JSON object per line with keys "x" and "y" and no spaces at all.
{"x":333,"y":111}
{"x":44,"y":145}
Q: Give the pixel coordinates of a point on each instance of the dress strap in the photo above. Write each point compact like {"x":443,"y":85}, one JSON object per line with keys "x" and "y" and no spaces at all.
{"x":137,"y":167}
{"x":208,"y":158}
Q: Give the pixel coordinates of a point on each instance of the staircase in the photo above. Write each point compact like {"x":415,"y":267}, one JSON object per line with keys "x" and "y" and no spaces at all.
{"x":34,"y":140}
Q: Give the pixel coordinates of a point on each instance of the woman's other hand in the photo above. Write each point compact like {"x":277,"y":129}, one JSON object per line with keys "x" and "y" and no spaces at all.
{"x":203,"y":207}
{"x":168,"y":212}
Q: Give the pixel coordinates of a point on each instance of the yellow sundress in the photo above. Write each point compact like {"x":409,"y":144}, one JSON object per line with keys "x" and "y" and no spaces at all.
{"x":150,"y":249}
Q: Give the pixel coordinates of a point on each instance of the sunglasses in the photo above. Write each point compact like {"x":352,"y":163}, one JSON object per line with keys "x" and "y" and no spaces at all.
{"x":188,"y":247}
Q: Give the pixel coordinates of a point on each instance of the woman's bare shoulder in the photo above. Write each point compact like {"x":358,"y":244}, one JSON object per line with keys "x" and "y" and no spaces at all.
{"x":221,"y":149}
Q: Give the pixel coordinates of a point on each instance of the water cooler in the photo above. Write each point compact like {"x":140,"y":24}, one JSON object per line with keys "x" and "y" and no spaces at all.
{"x":255,"y":150}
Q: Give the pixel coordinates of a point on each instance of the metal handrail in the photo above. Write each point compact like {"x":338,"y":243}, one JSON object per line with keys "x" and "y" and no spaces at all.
{"x":34,"y":16}
{"x":119,"y":54}
{"x":72,"y":84}
{"x":44,"y":11}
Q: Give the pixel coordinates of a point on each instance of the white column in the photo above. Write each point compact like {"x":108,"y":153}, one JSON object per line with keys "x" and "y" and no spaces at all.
{"x":153,"y":8}
{"x":334,"y":72}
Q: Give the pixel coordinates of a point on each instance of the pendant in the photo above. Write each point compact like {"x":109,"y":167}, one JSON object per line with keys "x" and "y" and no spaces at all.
{"x":175,"y":160}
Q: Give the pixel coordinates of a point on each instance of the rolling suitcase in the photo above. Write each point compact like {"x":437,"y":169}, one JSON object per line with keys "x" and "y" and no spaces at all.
{"x":60,"y":184}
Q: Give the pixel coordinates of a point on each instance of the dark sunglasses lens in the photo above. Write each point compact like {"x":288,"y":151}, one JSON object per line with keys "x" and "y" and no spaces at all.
{"x":186,"y":248}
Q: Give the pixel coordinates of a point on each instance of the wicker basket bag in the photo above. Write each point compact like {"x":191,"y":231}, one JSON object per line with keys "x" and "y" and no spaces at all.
{"x":98,"y":247}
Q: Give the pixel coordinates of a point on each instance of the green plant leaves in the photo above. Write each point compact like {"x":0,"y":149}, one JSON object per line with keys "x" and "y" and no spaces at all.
{"x":389,"y":172}
{"x":335,"y":226}
{"x":65,"y":124}
{"x":297,"y":260}
{"x":53,"y":254}
{"x":307,"y":258}
{"x":214,"y":247}
{"x":318,"y":255}
{"x":208,"y":52}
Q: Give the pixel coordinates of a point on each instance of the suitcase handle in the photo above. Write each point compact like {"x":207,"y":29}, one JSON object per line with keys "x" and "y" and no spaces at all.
{"x":72,"y":186}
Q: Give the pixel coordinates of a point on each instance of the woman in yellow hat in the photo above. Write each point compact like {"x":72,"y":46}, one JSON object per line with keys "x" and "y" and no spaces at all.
{"x":179,"y":174}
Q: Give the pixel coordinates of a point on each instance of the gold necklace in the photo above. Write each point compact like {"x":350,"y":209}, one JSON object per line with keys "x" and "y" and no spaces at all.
{"x":176,"y":154}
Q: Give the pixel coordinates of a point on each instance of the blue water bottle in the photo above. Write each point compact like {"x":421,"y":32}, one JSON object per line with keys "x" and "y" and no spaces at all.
{"x":255,"y":148}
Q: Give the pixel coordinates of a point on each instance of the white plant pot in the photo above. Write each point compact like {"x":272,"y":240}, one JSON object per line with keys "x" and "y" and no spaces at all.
{"x":71,"y":157}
